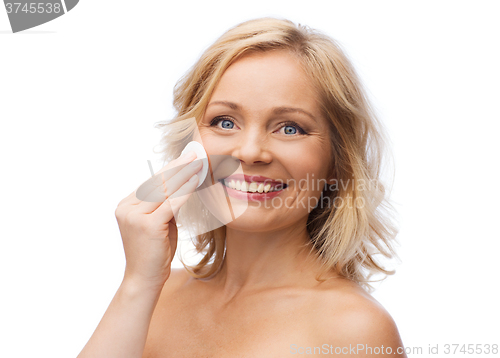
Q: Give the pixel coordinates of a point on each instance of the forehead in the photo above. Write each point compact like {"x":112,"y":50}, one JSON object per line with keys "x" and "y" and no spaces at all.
{"x":266,"y":79}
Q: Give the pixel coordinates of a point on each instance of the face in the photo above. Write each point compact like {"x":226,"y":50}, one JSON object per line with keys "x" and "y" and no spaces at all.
{"x":265,"y":114}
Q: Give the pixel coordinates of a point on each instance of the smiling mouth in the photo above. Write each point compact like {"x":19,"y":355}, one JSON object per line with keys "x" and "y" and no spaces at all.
{"x":253,"y":187}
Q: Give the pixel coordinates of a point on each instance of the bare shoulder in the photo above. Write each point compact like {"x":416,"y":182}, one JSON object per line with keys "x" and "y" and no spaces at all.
{"x":157,"y":328}
{"x":349,"y":316}
{"x":178,"y":277}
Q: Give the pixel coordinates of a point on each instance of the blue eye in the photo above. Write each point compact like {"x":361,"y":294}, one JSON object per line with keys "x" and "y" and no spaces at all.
{"x":225,"y":123}
{"x":292,"y":128}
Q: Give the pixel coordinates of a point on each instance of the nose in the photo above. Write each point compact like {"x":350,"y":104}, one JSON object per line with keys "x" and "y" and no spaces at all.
{"x":252,"y":148}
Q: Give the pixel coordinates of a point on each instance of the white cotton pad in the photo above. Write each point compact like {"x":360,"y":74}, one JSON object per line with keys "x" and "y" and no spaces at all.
{"x":200,"y":154}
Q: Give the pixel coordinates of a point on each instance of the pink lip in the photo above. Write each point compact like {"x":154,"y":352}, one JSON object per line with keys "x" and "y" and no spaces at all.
{"x":254,"y":178}
{"x":251,"y":196}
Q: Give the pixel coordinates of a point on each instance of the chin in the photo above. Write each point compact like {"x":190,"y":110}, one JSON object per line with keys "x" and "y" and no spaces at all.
{"x":252,"y":221}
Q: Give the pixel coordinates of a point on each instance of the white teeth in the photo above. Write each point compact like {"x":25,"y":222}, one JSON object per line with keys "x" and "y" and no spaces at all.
{"x":253,"y":187}
{"x":244,"y":186}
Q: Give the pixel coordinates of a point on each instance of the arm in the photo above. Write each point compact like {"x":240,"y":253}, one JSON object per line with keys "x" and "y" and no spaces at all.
{"x":123,"y":329}
{"x":149,"y":235}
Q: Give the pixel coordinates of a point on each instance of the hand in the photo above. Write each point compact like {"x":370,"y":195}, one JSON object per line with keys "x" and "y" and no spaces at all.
{"x":148,"y":228}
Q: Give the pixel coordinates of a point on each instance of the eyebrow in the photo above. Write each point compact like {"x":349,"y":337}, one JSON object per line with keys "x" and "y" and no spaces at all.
{"x":276,"y":110}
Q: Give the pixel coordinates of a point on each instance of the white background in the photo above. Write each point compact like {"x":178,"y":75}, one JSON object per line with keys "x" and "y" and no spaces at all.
{"x":78,"y":100}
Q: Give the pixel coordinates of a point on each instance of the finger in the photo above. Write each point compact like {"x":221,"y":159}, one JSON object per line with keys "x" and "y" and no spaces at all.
{"x":170,"y":207}
{"x":163,"y":175}
{"x":183,"y":159}
{"x":152,"y":184}
{"x":169,"y":189}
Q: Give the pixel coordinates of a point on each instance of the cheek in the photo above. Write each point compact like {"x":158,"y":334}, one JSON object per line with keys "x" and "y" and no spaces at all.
{"x":306,"y":161}
{"x":210,"y":142}
{"x":308,"y":169}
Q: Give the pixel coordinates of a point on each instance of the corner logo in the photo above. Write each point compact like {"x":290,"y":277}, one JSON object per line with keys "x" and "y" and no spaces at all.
{"x":24,"y":15}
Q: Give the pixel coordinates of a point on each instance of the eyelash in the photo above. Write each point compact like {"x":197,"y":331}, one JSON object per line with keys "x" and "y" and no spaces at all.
{"x":216,"y":120}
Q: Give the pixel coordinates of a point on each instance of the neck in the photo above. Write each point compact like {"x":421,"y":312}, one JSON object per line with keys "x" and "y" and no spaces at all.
{"x":258,"y":260}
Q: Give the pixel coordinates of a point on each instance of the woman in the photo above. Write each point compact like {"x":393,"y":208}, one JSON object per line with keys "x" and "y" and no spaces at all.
{"x":281,"y":279}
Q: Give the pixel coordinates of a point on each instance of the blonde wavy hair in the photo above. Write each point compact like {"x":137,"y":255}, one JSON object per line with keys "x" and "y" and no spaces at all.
{"x":346,"y":239}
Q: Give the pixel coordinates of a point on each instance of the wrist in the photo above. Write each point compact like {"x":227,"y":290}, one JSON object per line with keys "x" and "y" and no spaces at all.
{"x":137,"y":287}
